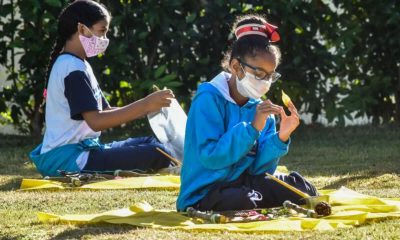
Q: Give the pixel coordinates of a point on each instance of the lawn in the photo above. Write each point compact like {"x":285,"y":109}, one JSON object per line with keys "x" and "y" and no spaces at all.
{"x":365,"y":159}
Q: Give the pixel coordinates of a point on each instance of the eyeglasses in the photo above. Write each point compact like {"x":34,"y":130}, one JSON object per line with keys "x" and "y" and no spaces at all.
{"x":261,"y":74}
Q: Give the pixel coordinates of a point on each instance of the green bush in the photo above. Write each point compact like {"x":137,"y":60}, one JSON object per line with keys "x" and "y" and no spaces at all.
{"x":338,"y":58}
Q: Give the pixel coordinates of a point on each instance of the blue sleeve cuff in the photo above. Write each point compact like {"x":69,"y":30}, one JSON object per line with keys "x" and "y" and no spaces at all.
{"x":278,"y":142}
{"x":254,"y":133}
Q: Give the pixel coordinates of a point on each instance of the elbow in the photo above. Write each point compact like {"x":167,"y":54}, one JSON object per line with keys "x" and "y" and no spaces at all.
{"x":94,"y":126}
{"x":210,"y":162}
{"x":97,"y":129}
{"x":93,"y":123}
{"x":206,"y":164}
{"x":94,"y":120}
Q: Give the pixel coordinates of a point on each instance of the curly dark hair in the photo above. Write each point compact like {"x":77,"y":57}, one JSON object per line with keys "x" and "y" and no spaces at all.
{"x":249,"y":45}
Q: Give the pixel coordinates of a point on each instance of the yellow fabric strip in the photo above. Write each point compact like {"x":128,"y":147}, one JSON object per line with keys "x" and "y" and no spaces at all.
{"x":354,"y":209}
{"x":160,"y":182}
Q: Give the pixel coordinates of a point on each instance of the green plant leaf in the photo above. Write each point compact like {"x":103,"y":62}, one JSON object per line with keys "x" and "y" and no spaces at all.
{"x":53,"y":3}
{"x":160,"y":71}
{"x":168,"y":77}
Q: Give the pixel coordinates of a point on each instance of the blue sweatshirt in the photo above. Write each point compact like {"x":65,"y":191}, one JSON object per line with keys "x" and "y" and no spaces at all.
{"x":221,"y":143}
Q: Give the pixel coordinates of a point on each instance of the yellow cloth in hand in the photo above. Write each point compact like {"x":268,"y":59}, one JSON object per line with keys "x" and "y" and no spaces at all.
{"x":349,"y":209}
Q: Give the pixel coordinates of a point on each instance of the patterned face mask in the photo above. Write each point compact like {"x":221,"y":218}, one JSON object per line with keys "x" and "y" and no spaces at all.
{"x":93,"y":45}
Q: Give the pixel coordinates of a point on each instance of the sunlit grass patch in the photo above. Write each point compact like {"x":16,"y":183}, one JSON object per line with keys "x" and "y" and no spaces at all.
{"x":365,"y":159}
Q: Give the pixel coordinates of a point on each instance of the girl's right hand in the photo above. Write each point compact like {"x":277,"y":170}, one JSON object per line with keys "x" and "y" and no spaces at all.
{"x":157,"y":100}
{"x":264,"y":109}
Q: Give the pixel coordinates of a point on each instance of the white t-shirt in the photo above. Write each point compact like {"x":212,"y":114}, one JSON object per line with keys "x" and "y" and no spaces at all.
{"x":72,"y":90}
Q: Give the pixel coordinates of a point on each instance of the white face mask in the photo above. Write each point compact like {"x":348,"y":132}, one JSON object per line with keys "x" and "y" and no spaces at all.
{"x":93,"y":45}
{"x":250,"y":87}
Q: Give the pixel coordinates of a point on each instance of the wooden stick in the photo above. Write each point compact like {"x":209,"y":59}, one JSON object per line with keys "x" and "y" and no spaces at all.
{"x":290,"y":187}
{"x":308,"y":212}
{"x":208,"y":216}
{"x":174,"y":160}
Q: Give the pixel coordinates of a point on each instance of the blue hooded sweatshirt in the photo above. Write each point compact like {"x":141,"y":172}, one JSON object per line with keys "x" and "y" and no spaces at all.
{"x":221,"y":143}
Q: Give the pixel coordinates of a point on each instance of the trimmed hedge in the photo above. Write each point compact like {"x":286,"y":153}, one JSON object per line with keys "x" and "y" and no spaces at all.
{"x":339,"y":57}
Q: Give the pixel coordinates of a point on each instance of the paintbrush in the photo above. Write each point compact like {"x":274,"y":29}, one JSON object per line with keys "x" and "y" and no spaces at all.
{"x":174,"y":160}
{"x":290,"y":187}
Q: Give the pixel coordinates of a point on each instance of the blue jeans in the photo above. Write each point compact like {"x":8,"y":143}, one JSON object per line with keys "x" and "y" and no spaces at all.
{"x":136,"y":154}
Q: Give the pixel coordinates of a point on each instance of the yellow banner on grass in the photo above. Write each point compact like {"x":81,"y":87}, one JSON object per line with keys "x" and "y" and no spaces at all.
{"x":159,"y":182}
{"x":349,"y":209}
{"x":149,"y":182}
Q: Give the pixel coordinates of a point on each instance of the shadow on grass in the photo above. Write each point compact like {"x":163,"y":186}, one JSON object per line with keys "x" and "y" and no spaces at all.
{"x":367,"y":180}
{"x":94,"y":229}
{"x":13,"y":237}
{"x":17,"y":140}
{"x":11,"y":184}
{"x":346,"y":180}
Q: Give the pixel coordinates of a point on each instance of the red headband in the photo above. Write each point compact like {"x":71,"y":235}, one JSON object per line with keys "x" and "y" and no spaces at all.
{"x":267,"y":30}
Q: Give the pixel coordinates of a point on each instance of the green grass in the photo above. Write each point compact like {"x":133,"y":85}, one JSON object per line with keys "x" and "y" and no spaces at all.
{"x":366,"y":159}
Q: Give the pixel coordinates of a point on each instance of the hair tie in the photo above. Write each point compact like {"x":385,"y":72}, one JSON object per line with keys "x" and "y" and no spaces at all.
{"x":266,"y":30}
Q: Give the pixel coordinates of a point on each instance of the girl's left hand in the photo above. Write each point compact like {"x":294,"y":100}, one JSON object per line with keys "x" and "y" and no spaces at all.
{"x":288,"y":123}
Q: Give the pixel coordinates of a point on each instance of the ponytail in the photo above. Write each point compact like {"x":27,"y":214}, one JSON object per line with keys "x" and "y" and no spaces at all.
{"x":57,"y":48}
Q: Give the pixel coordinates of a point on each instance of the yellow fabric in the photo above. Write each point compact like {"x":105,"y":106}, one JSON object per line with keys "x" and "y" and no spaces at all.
{"x":282,"y":169}
{"x":161,"y":182}
{"x":349,"y":209}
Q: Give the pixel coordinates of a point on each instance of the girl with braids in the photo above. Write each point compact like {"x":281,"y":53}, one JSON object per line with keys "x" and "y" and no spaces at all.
{"x":76,"y":110}
{"x":231,"y":140}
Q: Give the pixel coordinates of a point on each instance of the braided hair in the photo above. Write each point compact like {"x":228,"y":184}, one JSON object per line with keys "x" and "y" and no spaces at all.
{"x":249,"y":45}
{"x":86,"y":12}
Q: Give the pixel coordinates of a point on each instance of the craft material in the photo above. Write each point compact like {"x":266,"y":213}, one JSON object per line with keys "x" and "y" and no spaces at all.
{"x":285,"y":99}
{"x":288,"y":186}
{"x":308,"y":212}
{"x":174,"y":160}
